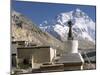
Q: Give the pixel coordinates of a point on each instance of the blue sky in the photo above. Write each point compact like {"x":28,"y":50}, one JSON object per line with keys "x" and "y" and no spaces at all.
{"x":39,"y":12}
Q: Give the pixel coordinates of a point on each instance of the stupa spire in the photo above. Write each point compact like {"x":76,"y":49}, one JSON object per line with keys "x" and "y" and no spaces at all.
{"x":70,"y":34}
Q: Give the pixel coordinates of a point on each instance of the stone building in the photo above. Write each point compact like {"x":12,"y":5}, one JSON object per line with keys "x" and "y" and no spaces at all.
{"x":36,"y":55}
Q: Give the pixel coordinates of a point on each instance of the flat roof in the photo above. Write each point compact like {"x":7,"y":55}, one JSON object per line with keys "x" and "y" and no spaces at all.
{"x":32,"y":47}
{"x":17,"y":41}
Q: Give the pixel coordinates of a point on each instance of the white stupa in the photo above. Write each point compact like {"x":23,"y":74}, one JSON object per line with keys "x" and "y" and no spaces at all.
{"x":71,"y":58}
{"x":72,"y":44}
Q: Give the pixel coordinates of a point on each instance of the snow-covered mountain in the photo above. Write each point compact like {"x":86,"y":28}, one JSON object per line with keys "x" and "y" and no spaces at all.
{"x":83,"y":26}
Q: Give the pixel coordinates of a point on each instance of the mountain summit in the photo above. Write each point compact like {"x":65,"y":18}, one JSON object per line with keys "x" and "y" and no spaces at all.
{"x":83,"y":26}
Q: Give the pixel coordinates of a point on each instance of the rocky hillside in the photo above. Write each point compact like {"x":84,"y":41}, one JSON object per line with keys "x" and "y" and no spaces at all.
{"x":24,"y":30}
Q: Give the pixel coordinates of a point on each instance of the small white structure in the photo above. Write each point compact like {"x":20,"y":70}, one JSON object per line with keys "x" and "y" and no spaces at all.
{"x":71,"y":58}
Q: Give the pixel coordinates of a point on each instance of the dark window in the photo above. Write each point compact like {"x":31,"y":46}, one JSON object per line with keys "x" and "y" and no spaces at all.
{"x":25,"y":61}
